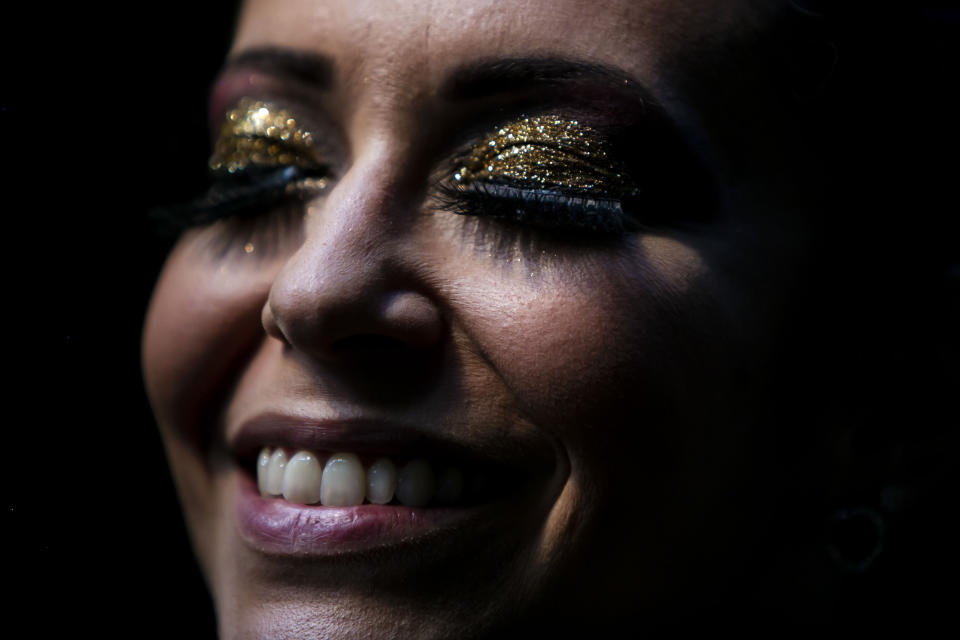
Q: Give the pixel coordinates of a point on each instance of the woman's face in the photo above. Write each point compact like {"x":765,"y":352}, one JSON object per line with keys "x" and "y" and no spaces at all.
{"x":587,"y":367}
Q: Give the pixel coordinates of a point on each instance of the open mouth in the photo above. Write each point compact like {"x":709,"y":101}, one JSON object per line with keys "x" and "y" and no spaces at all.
{"x":328,"y":488}
{"x":344,"y":479}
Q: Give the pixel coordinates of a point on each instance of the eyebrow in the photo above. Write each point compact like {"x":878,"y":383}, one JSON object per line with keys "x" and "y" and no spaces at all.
{"x":302,"y":67}
{"x":485,"y":78}
{"x":477,"y":79}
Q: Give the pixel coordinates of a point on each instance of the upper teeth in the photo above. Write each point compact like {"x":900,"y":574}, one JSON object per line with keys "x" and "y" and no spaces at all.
{"x":342,"y":481}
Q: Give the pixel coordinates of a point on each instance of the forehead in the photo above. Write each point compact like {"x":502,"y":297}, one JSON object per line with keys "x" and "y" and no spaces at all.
{"x":412,"y":43}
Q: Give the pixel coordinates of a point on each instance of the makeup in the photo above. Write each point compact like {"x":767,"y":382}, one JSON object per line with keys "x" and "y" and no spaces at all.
{"x":263,"y":157}
{"x":548,"y":172}
{"x":547,"y":152}
{"x":259,"y":134}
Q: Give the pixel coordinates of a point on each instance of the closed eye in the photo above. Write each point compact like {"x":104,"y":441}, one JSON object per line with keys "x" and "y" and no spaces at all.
{"x":262,"y":159}
{"x":545,"y":209}
{"x":561,"y":175}
{"x":241,"y":196}
{"x":548,"y":172}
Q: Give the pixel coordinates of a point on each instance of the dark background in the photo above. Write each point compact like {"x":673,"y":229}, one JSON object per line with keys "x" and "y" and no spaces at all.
{"x":102,"y":117}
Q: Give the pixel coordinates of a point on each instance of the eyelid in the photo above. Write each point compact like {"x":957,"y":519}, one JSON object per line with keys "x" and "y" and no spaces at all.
{"x":260,"y":134}
{"x":546,"y":152}
{"x":545,"y":209}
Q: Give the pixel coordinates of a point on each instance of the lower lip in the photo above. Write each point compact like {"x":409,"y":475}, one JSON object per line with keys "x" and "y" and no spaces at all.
{"x":274,"y":526}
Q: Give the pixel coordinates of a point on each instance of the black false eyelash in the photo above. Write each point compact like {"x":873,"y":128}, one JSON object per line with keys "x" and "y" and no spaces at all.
{"x":248,"y":194}
{"x":541,"y":208}
{"x":242,"y":195}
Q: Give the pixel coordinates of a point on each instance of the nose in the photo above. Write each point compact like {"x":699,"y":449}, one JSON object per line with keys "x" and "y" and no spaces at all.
{"x":351,"y":292}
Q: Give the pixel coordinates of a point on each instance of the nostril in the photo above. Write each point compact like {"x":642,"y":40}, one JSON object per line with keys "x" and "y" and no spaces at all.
{"x":369,"y":344}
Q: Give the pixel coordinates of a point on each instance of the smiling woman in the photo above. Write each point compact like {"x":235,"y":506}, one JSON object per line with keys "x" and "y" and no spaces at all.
{"x":500,"y":314}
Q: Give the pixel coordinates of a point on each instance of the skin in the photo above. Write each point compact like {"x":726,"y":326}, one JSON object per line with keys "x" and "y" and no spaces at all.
{"x":639,"y":366}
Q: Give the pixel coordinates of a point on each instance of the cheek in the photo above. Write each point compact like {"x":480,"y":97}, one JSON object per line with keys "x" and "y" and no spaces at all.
{"x":204,"y":318}
{"x":202,"y":324}
{"x":594,"y":350}
{"x":575,"y":339}
{"x":554,"y":348}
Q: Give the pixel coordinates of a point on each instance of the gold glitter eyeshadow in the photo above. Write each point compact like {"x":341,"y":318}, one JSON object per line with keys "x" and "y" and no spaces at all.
{"x":256,"y":133}
{"x":546,"y":152}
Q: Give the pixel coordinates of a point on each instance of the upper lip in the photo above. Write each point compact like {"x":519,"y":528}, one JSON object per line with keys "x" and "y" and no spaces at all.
{"x":373,"y":436}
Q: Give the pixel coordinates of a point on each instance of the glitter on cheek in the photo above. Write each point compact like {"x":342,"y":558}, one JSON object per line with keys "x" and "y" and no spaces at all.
{"x":546,"y":152}
{"x":256,"y":133}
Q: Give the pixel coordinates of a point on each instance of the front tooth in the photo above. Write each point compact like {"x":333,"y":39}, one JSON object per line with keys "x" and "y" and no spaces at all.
{"x":301,"y":480}
{"x":415,"y":483}
{"x":278,"y":462}
{"x":263,"y":465}
{"x":450,"y":486}
{"x":381,"y":481}
{"x":343,"y":481}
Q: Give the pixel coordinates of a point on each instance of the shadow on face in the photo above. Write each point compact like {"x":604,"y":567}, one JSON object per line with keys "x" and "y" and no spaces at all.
{"x":584,"y":260}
